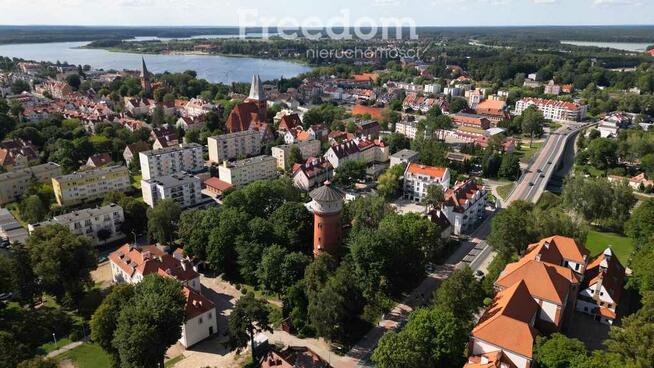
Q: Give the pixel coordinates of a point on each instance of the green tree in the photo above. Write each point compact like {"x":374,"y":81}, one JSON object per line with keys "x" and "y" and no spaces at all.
{"x":74,"y":81}
{"x":510,"y":167}
{"x":433,"y":337}
{"x":532,"y":121}
{"x":249,"y":317}
{"x":461,"y":293}
{"x":632,"y":341}
{"x":270,"y":271}
{"x":63,"y":262}
{"x":642,"y":266}
{"x":512,"y":229}
{"x":603,"y":153}
{"x":457,"y":104}
{"x":640,"y":226}
{"x":293,"y":226}
{"x":350,"y":172}
{"x":294,"y":157}
{"x":388,"y":184}
{"x":32,"y":209}
{"x":105,"y":319}
{"x":38,"y":362}
{"x":150,"y":323}
{"x":559,"y":351}
{"x":163,"y":219}
{"x":23,"y":281}
{"x":195,"y":226}
{"x":435,"y":196}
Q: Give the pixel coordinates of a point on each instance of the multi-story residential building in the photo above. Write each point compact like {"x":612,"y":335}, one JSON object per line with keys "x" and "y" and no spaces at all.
{"x":470,"y":120}
{"x":310,"y":148}
{"x":171,"y":160}
{"x":407,"y":128}
{"x":417,"y":178}
{"x":130,"y":264}
{"x":185,"y":189}
{"x":601,"y":289}
{"x":553,"y":109}
{"x":313,"y":173}
{"x":14,"y":183}
{"x":464,"y":205}
{"x":231,"y":146}
{"x":362,"y":149}
{"x":246,"y":171}
{"x":404,"y":156}
{"x":552,"y":88}
{"x":101,"y":224}
{"x":90,"y":185}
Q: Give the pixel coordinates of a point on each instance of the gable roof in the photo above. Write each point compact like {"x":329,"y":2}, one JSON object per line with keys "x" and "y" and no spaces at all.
{"x":99,"y":160}
{"x":242,"y":116}
{"x":607,"y":270}
{"x":196,"y":303}
{"x":150,"y":259}
{"x":290,"y":121}
{"x":506,"y":323}
{"x":557,"y":248}
{"x":544,"y":281}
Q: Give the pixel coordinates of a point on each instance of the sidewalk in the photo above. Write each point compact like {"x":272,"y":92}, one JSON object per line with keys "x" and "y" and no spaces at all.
{"x":65,"y":348}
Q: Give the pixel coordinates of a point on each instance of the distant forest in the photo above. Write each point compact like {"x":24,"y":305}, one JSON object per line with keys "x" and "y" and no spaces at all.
{"x":490,"y":35}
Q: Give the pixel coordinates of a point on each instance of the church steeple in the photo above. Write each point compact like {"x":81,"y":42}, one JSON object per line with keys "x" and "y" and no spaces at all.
{"x":145,"y":78}
{"x":256,"y":89}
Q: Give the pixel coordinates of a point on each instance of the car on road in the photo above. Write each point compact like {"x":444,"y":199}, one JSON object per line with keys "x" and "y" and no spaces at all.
{"x":539,"y":170}
{"x":479,"y":275}
{"x":531,"y":184}
{"x":430,"y":268}
{"x":542,"y":175}
{"x":549,"y":162}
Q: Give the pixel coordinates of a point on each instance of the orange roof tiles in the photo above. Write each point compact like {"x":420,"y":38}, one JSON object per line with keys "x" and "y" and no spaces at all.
{"x":432,"y":171}
{"x":557,"y":248}
{"x":507,"y":322}
{"x":196,"y":303}
{"x":544,"y":281}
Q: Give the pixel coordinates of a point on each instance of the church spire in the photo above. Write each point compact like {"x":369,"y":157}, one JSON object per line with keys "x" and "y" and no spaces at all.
{"x":256,"y":89}
{"x":145,"y":77}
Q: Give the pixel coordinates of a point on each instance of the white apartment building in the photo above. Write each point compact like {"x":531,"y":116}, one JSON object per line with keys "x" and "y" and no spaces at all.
{"x":464,"y":205}
{"x":407,"y":128}
{"x":362,"y":149}
{"x":171,"y":160}
{"x":14,"y":183}
{"x":404,"y":156}
{"x":101,"y":224}
{"x":552,"y":109}
{"x":90,"y":185}
{"x":185,"y":189}
{"x":308,"y":149}
{"x":246,"y":171}
{"x":433,"y":88}
{"x":418,"y":178}
{"x":234,"y":145}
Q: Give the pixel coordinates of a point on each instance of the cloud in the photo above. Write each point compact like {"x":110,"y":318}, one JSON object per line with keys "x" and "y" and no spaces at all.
{"x":617,"y":2}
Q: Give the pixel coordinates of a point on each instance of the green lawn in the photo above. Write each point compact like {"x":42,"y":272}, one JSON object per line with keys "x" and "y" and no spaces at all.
{"x":526,"y":153}
{"x":136,"y":181}
{"x":172,"y":362}
{"x":622,"y":246}
{"x":87,"y":356}
{"x":60,"y":343}
{"x":505,"y":190}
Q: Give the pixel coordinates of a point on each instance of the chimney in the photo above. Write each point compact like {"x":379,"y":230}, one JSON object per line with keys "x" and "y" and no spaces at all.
{"x":225,"y":163}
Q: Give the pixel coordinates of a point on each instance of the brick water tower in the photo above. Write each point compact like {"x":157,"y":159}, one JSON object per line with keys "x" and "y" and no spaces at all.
{"x":327,"y":207}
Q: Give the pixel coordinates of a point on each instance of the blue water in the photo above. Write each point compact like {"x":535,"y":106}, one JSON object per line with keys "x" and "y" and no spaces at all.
{"x":625,"y":46}
{"x":213,"y":68}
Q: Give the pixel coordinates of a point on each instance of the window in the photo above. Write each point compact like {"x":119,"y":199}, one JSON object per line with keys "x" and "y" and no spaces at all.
{"x":200,"y":321}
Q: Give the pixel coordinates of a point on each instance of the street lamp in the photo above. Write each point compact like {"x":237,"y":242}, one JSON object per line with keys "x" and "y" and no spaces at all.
{"x":55,"y":339}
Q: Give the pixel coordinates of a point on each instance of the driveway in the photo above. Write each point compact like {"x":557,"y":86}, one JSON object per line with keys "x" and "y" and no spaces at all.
{"x":404,"y":206}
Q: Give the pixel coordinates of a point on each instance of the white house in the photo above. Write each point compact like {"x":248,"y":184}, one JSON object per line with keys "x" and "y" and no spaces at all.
{"x":417,"y":178}
{"x":201,"y":321}
{"x":602,"y":288}
{"x":464,"y":204}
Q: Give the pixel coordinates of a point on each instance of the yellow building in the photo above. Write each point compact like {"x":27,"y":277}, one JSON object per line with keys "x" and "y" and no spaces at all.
{"x":90,"y":185}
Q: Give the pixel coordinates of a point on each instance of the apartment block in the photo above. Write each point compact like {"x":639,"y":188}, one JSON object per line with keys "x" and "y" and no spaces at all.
{"x":14,"y":183}
{"x":234,"y":145}
{"x":185,"y":189}
{"x":171,"y":160}
{"x":90,"y":185}
{"x":101,"y":224}
{"x":246,"y":171}
{"x":307,"y":149}
{"x":418,"y":178}
{"x":553,"y":109}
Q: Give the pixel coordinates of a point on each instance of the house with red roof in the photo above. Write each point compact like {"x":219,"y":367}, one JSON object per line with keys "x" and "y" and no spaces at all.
{"x":602,"y":287}
{"x":130,"y":264}
{"x":99,"y":160}
{"x":651,"y":52}
{"x":464,"y":205}
{"x":418,"y":178}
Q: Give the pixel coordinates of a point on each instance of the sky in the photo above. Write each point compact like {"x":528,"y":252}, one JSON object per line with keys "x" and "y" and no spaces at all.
{"x":325,"y":12}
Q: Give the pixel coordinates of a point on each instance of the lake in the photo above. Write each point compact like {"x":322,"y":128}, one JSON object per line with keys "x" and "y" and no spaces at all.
{"x":213,"y":68}
{"x":625,"y":46}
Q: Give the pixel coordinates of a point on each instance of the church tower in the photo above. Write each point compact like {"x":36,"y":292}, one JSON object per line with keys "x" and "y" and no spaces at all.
{"x":145,"y":78}
{"x":258,"y":97}
{"x":327,"y":207}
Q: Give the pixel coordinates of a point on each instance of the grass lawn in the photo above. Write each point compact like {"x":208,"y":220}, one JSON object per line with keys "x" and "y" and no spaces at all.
{"x":60,"y":343}
{"x":136,"y":181}
{"x":526,"y":153}
{"x":172,"y":362}
{"x":505,"y":190}
{"x":87,"y":356}
{"x":622,"y":246}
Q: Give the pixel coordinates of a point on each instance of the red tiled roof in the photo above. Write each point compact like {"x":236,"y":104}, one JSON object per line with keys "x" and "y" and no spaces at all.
{"x":507,"y":322}
{"x":609,"y":271}
{"x":544,"y":281}
{"x":196,"y":303}
{"x":150,"y":259}
{"x":436,"y":172}
{"x":557,"y":248}
{"x":217,"y":184}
